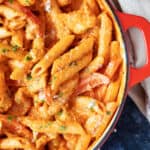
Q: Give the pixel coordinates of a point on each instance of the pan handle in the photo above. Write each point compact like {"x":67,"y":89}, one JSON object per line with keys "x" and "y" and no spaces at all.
{"x":127,"y":20}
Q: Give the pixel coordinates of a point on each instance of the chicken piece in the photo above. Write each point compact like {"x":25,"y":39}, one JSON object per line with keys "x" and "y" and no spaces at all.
{"x":79,"y":21}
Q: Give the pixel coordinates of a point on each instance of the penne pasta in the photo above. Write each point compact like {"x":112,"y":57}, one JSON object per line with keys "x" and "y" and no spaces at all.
{"x":16,"y":143}
{"x":110,"y":110}
{"x":83,"y":142}
{"x":115,"y":60}
{"x":52,"y":54}
{"x":105,"y":36}
{"x":112,"y":67}
{"x":17,"y":39}
{"x":32,"y":57}
{"x":4,"y":33}
{"x":67,"y":89}
{"x":112,"y":91}
{"x":42,"y":141}
{"x":68,"y":72}
{"x":94,"y":65}
{"x":114,"y":50}
{"x":9,"y":52}
{"x":93,"y":6}
{"x":73,"y":55}
{"x":36,"y":84}
{"x":100,"y":92}
{"x":53,"y":126}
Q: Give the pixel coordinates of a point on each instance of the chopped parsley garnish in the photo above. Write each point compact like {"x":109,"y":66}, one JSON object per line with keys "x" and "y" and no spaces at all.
{"x":49,"y":123}
{"x":40,"y":127}
{"x":4,"y":50}
{"x":10,"y":1}
{"x":15,"y":48}
{"x":60,"y":113}
{"x":54,"y":78}
{"x":60,"y":94}
{"x":74,"y":63}
{"x":92,"y":109}
{"x":42,"y":100}
{"x":62,"y":128}
{"x":28,"y":58}
{"x":36,"y":100}
{"x":27,"y":2}
{"x":29,"y":77}
{"x":10,"y":117}
{"x":108,"y":112}
{"x":45,"y":125}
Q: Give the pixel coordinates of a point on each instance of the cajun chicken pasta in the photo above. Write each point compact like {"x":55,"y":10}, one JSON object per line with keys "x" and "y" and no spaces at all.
{"x":60,"y":73}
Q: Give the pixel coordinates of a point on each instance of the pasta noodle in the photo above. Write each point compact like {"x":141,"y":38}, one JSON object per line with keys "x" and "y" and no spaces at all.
{"x":52,"y":54}
{"x":105,"y":36}
{"x":68,"y":72}
{"x":73,"y":55}
{"x":61,"y":73}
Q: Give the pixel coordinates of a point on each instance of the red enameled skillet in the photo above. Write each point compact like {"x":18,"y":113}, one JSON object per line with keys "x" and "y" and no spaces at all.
{"x":132,"y":75}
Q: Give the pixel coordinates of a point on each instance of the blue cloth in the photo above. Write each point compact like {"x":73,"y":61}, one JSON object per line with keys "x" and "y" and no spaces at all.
{"x":133,"y":131}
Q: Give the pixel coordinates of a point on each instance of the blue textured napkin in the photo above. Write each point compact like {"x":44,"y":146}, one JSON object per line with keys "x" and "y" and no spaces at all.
{"x":132,"y":131}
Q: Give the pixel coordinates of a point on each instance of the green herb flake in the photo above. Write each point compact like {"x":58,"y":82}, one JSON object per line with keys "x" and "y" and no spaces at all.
{"x":54,"y":78}
{"x":60,"y":94}
{"x":15,"y":48}
{"x":10,"y":1}
{"x":28,"y":58}
{"x":40,"y":127}
{"x":60,"y":113}
{"x":92,"y":109}
{"x":62,"y":128}
{"x":10,"y":117}
{"x":74,"y":63}
{"x":108,"y":112}
{"x":42,"y":100}
{"x":27,"y":2}
{"x":49,"y":123}
{"x":29,"y":77}
{"x":4,"y":50}
{"x":36,"y":101}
